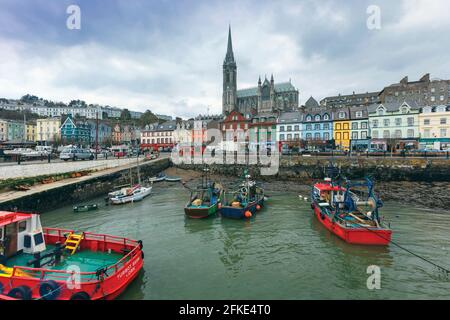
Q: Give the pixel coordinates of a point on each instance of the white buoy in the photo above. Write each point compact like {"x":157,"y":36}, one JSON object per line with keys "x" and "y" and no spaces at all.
{"x":305,"y":198}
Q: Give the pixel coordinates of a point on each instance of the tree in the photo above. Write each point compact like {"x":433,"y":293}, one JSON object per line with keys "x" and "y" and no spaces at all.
{"x":147,"y":118}
{"x":125,"y":115}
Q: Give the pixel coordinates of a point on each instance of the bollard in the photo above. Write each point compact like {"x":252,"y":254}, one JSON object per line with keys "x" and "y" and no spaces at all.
{"x":49,"y":157}
{"x":18,"y":159}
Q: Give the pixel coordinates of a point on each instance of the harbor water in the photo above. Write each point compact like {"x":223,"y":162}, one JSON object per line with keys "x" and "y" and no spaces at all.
{"x":281,"y":253}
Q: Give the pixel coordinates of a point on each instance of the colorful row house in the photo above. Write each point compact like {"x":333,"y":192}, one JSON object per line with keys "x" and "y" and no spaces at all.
{"x":262,"y":131}
{"x":158,"y":136}
{"x":434,"y":126}
{"x":359,"y":129}
{"x":289,"y":129}
{"x":341,"y":129}
{"x":318,"y":129}
{"x":75,"y":132}
{"x":394,"y":126}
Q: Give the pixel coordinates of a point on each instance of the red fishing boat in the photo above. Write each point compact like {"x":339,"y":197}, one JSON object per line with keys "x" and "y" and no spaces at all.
{"x":59,"y":264}
{"x":350,"y":213}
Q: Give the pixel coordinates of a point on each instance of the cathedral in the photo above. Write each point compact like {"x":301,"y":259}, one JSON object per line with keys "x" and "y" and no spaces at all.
{"x":267,"y":97}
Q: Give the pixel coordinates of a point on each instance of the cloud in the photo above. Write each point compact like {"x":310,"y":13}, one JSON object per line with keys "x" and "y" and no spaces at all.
{"x":167,"y":55}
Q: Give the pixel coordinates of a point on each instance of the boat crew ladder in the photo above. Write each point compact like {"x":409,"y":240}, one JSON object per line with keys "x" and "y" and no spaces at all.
{"x":73,"y":242}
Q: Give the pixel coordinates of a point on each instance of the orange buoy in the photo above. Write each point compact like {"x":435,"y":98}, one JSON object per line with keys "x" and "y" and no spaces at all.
{"x":258,"y":207}
{"x":248,"y":214}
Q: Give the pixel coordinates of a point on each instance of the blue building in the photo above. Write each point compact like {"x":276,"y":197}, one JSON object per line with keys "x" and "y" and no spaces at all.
{"x":104,"y":132}
{"x":318,"y":128}
{"x":75,"y":132}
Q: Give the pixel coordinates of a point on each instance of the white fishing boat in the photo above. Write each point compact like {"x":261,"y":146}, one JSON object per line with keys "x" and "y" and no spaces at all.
{"x":130,"y":194}
{"x":137,"y":193}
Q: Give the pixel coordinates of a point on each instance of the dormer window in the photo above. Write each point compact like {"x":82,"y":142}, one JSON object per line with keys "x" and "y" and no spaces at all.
{"x":308,"y":118}
{"x":358,"y":114}
{"x":317,"y":117}
{"x":326,"y":117}
{"x":341,"y":115}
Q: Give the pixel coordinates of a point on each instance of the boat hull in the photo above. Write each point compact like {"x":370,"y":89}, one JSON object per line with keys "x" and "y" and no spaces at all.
{"x":239,"y":213}
{"x":360,"y":236}
{"x":131,"y":198}
{"x":202,"y":212}
{"x":110,"y":287}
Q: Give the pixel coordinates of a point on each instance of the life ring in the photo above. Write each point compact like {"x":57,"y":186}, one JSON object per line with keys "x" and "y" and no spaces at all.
{"x":21,"y":292}
{"x":80,"y":296}
{"x":49,"y":290}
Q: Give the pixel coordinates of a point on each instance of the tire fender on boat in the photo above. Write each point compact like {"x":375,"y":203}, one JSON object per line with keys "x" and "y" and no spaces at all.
{"x":1,"y":288}
{"x":141,"y":245}
{"x":49,"y":290}
{"x":80,"y":296}
{"x":21,"y":292}
{"x":142,"y":255}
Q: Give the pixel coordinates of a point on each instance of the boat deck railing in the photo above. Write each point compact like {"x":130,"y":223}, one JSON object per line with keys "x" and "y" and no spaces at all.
{"x":65,"y":275}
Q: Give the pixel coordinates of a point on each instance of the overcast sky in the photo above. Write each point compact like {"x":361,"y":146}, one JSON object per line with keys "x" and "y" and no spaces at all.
{"x":167,"y":55}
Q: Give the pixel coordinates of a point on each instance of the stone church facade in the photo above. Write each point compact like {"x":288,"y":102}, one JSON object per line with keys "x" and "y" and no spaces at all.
{"x":266,"y":97}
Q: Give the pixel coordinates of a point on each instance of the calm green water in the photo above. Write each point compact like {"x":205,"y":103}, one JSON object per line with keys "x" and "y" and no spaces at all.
{"x":283,"y":253}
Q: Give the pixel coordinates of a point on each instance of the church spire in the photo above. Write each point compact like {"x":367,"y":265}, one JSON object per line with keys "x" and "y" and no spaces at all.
{"x":229,"y":56}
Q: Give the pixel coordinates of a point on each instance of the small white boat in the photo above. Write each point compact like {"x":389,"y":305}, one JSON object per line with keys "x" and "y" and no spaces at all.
{"x":133,"y":194}
{"x":173,"y":179}
{"x":159,"y":177}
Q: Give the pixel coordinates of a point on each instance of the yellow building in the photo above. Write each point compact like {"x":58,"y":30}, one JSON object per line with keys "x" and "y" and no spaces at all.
{"x":31,"y":132}
{"x":434,"y":127}
{"x":341,"y":129}
{"x":48,"y":130}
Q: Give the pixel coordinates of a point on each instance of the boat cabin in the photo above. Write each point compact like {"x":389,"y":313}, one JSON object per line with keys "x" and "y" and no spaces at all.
{"x":20,"y":232}
{"x":328,"y":194}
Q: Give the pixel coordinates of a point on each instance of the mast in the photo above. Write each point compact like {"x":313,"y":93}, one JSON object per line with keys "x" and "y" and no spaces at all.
{"x":138,"y":171}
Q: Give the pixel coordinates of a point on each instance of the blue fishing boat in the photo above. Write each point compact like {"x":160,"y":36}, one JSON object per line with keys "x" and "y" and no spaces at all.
{"x":243,"y":203}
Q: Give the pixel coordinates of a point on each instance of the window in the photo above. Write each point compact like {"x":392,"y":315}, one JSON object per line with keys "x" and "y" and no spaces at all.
{"x":338,"y":136}
{"x":364,"y":125}
{"x":289,"y":128}
{"x":317,"y":126}
{"x":443,"y":121}
{"x":426,"y":133}
{"x":282,"y":129}
{"x":398,"y":121}
{"x":326,"y":126}
{"x":345,"y":126}
{"x":308,"y":136}
{"x":317,"y":136}
{"x":326,"y":136}
{"x":338,"y":126}
{"x":317,"y":117}
{"x":358,"y":114}
{"x":364,"y":134}
{"x":387,"y":122}
{"x":308,"y":118}
{"x":355,"y":135}
{"x":308,"y":127}
{"x":296,"y":136}
{"x":381,"y":112}
{"x":410,"y":133}
{"x":296,"y":128}
{"x":410,"y":121}
{"x":441,"y":98}
{"x":386,"y":134}
{"x":354,"y":125}
{"x":282,"y":137}
{"x":289,"y":137}
{"x":398,"y":133}
{"x":22,"y":226}
{"x":443,"y":133}
{"x":432,"y":98}
{"x":326,"y":117}
{"x":341,"y":115}
{"x":426,"y":122}
{"x":375,"y":123}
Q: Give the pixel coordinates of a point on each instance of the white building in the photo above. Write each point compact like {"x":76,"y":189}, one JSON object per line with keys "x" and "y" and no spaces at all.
{"x":289,"y":128}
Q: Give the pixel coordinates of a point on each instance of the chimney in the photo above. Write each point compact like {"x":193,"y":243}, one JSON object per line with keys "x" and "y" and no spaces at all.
{"x":404,"y":80}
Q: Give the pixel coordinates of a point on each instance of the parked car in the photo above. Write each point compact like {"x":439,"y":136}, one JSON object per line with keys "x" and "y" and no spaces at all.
{"x":76,"y":154}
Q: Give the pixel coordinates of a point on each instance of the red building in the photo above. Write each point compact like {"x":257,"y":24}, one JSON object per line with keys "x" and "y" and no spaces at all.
{"x":234,"y":121}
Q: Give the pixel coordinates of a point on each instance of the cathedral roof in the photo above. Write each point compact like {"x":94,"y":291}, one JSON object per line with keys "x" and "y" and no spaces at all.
{"x":279,"y":87}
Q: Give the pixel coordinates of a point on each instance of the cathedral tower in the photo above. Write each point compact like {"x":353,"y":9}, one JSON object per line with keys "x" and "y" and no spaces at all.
{"x":229,"y":98}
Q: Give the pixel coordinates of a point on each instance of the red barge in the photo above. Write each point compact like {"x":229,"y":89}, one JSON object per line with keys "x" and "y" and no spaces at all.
{"x":348,"y":214}
{"x":59,"y":264}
